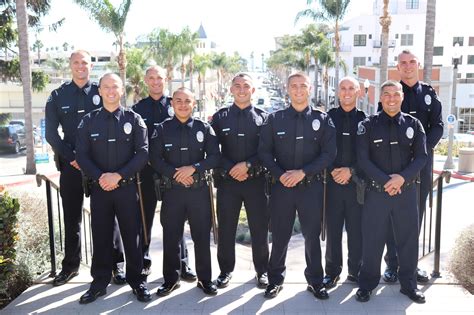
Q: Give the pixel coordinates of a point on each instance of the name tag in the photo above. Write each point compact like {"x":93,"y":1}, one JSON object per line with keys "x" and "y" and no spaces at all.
{"x":80,"y":111}
{"x":281,"y":133}
{"x":299,"y":138}
{"x":241,"y":134}
{"x":65,"y":107}
{"x":168,"y":145}
{"x":413,"y":112}
{"x":226,"y":129}
{"x":94,"y":135}
{"x":378,"y":140}
{"x":346,"y":134}
{"x":394,"y":142}
{"x":184,"y":149}
{"x":111,"y":140}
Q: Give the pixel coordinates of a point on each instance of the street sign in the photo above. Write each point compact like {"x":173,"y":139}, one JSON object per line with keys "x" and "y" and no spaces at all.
{"x":451,"y":119}
{"x":41,"y":158}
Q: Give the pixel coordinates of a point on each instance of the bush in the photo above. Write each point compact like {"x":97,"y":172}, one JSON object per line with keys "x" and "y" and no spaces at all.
{"x":442,"y":148}
{"x":461,"y":262}
{"x":30,"y":251}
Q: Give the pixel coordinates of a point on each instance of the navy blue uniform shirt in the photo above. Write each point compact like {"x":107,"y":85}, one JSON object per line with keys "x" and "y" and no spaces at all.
{"x":130,"y":138}
{"x":422,"y":102}
{"x":154,"y":112}
{"x":337,"y":115}
{"x":62,"y":109}
{"x":165,"y":146}
{"x":278,"y":141}
{"x":225,"y":124}
{"x":373,"y":146}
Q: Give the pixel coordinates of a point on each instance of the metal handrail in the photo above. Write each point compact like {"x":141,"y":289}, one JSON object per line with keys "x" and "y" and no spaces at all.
{"x":50,"y":185}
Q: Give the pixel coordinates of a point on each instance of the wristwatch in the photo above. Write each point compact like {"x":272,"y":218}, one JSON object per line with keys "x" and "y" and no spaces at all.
{"x":248,"y":164}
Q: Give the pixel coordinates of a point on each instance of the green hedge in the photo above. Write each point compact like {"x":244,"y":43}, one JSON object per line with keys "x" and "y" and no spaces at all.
{"x":9,"y":208}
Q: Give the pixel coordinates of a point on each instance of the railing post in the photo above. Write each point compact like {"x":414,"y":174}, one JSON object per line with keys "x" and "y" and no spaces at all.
{"x":439,"y":203}
{"x":52,"y":248}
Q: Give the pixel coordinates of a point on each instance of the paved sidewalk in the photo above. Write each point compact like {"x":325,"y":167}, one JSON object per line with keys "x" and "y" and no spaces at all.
{"x":444,"y":295}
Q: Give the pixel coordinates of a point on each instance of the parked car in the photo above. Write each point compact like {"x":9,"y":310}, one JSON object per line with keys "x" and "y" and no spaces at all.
{"x":12,"y":138}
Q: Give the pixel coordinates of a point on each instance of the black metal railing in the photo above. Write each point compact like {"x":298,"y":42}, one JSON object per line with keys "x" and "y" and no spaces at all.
{"x":428,"y":233}
{"x":56,"y":224}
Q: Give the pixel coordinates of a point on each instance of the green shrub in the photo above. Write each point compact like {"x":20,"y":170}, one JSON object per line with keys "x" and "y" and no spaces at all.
{"x":461,"y":261}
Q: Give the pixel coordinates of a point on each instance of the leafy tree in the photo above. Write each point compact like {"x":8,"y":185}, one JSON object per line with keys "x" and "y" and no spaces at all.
{"x":59,"y":65}
{"x":330,"y":11}
{"x":201,"y":64}
{"x":111,"y":20}
{"x":136,"y":66}
{"x":39,"y":80}
{"x":186,"y":46}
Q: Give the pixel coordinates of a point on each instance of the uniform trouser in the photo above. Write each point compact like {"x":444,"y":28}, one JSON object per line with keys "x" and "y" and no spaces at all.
{"x":343,"y":210}
{"x":121,"y":203}
{"x":179,"y":204}
{"x":72,"y":196}
{"x":149,"y":207}
{"x":377,"y":211}
{"x":230,"y":196}
{"x":425,"y":186}
{"x":284,"y":202}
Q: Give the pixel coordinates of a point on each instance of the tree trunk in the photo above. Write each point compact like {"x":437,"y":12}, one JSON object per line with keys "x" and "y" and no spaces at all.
{"x":23,"y":45}
{"x":385,"y":22}
{"x":336,"y":76}
{"x":169,"y":70}
{"x":429,"y":40}
{"x":316,"y":74}
{"x":191,"y":70}
{"x":122,"y":63}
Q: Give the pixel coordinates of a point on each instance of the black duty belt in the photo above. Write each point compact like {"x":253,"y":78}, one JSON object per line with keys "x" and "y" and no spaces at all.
{"x":374,"y":186}
{"x":198,"y":181}
{"x":306,"y":181}
{"x":122,"y":182}
{"x":253,"y":172}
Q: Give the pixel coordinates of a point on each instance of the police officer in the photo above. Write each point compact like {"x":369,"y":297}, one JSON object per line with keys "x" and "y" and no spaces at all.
{"x":421,"y":102}
{"x":342,"y":203}
{"x":240,"y":178}
{"x":155,"y":109}
{"x":182,"y":150}
{"x":112,"y":146}
{"x":390,"y":151}
{"x":296,"y":145}
{"x":65,"y":107}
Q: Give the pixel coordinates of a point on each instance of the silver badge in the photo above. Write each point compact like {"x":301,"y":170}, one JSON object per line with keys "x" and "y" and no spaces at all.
{"x":428,"y":99}
{"x":127,"y":128}
{"x":200,"y":136}
{"x":96,"y":100}
{"x":316,"y":124}
{"x":360,"y":129}
{"x":170,"y":111}
{"x":410,"y":132}
{"x":258,"y":121}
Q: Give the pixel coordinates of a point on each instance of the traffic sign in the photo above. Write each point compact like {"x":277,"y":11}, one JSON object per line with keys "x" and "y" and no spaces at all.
{"x":451,"y":119}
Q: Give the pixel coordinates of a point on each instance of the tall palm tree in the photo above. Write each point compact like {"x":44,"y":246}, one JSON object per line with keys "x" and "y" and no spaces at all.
{"x":429,"y":39}
{"x":385,"y":21}
{"x":331,"y":11}
{"x":164,"y":49}
{"x":201,"y":64}
{"x":59,"y":65}
{"x":136,"y":65}
{"x":187,"y":47}
{"x":219,"y":63}
{"x":23,"y":46}
{"x":37,"y":45}
{"x":111,"y":20}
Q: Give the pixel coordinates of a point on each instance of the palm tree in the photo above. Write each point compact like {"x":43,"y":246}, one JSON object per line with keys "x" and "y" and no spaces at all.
{"x":219,"y":63}
{"x":186,"y":47}
{"x":59,"y":65}
{"x":111,"y":20}
{"x":429,"y":39}
{"x":136,"y":65}
{"x":201,"y":64}
{"x":22,"y":22}
{"x":385,"y":21}
{"x":332,"y":11}
{"x":65,"y":46}
{"x":164,"y":49}
{"x":37,"y":45}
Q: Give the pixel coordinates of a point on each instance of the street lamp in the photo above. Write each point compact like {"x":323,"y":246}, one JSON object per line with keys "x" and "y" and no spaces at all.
{"x":448,"y":164}
{"x":366,"y":100}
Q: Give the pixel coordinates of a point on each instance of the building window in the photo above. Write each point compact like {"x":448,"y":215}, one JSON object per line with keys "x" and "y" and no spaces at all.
{"x":359,"y":61}
{"x":470,"y":59}
{"x":413,"y":4}
{"x":459,"y":40}
{"x":471,"y":41}
{"x":360,"y":40}
{"x":470,"y":75}
{"x":406,"y":40}
{"x":369,"y":58}
{"x":370,"y":36}
{"x":438,"y":51}
{"x":396,"y":36}
{"x":459,"y":60}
